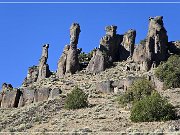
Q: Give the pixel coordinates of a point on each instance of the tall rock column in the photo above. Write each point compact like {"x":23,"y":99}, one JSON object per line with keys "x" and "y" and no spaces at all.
{"x":69,"y":62}
{"x":154,"y":48}
{"x":44,"y":71}
{"x":157,"y":40}
{"x":72,"y":63}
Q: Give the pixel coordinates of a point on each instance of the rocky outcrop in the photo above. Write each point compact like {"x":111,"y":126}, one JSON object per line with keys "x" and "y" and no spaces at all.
{"x":104,"y":86}
{"x":69,"y":62}
{"x":37,"y":73}
{"x":44,"y":71}
{"x":32,"y":76}
{"x":155,"y":47}
{"x":98,"y":62}
{"x":6,"y":87}
{"x":110,"y":43}
{"x":54,"y":93}
{"x":174,"y":47}
{"x":108,"y":51}
{"x":128,"y":44}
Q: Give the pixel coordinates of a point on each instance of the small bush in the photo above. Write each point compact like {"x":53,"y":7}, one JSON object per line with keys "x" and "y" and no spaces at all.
{"x":152,"y":108}
{"x":76,"y":99}
{"x":169,"y":72}
{"x":143,"y":42}
{"x":138,"y":90}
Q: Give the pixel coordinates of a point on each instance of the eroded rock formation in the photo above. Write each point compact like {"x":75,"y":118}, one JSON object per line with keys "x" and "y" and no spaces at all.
{"x":113,"y":47}
{"x":128,"y":43}
{"x":155,"y":48}
{"x":37,"y":73}
{"x":110,"y":43}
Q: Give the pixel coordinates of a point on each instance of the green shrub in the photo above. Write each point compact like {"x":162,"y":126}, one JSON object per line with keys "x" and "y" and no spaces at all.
{"x":76,"y":99}
{"x":85,"y":57}
{"x":152,"y":108}
{"x":169,"y":72}
{"x":143,"y":42}
{"x":138,"y":90}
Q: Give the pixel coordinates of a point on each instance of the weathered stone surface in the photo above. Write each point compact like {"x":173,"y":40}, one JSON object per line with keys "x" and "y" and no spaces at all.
{"x":27,"y":97}
{"x":55,"y":93}
{"x":31,"y":76}
{"x":62,"y":62}
{"x":74,"y":34}
{"x":44,"y":71}
{"x":6,"y":87}
{"x":41,"y":94}
{"x":72,"y":63}
{"x":104,"y":86}
{"x":128,"y":43}
{"x":110,"y":43}
{"x":10,"y":98}
{"x":97,"y":63}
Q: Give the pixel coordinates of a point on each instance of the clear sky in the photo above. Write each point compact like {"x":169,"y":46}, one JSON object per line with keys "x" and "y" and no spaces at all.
{"x":24,"y":28}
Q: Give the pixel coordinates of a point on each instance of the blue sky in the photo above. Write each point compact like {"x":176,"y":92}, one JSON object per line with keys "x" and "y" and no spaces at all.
{"x":24,"y":28}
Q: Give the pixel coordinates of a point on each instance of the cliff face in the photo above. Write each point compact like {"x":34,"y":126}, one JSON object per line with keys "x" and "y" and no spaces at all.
{"x":41,"y":84}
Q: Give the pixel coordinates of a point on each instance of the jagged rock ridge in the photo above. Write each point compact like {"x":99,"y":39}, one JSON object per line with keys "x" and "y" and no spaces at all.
{"x":113,"y":48}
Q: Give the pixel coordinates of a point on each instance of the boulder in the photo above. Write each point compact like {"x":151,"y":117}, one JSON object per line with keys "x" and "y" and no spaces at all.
{"x":55,"y":93}
{"x":104,"y":86}
{"x":41,"y":94}
{"x":98,"y":62}
{"x":10,"y":98}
